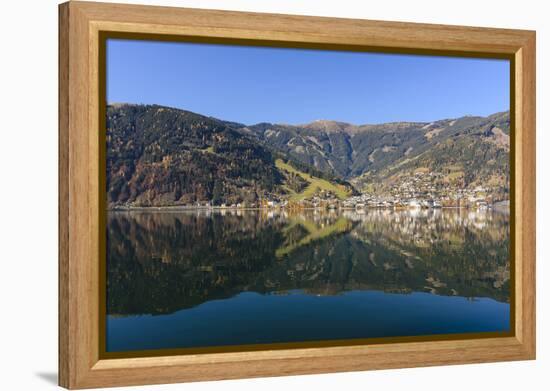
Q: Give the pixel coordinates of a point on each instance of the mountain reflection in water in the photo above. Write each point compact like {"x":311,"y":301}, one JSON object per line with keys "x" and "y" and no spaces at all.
{"x":160,"y":263}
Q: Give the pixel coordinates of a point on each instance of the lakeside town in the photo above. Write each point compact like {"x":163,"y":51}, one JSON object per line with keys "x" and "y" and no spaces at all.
{"x":418,"y":191}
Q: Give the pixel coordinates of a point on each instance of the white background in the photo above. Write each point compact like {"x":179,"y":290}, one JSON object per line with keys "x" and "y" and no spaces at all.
{"x":28,"y":194}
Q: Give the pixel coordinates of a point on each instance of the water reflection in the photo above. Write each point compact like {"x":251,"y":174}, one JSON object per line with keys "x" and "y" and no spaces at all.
{"x":162,"y":262}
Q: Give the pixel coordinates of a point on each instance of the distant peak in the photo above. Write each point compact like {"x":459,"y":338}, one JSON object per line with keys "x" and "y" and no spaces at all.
{"x":327,"y":125}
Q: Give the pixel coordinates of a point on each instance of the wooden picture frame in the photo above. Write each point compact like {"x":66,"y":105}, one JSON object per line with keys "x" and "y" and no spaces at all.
{"x":81,"y":25}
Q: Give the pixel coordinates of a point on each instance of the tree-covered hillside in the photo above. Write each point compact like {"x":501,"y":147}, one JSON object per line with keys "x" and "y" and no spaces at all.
{"x":161,"y":156}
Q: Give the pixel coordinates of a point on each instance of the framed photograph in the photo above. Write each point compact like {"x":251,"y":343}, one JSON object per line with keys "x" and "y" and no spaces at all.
{"x":246,"y":195}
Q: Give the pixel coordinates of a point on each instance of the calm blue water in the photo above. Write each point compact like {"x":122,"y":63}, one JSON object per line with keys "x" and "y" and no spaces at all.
{"x":250,"y":318}
{"x":178,"y":280}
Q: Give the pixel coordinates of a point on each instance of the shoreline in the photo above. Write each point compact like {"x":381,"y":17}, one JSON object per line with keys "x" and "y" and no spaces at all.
{"x":217,"y":208}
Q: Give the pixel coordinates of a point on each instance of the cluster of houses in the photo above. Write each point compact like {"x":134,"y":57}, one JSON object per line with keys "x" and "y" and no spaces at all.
{"x":418,"y":191}
{"x":428,"y":190}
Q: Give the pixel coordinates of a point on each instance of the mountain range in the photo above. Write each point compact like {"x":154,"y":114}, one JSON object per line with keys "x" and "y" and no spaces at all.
{"x":161,"y":156}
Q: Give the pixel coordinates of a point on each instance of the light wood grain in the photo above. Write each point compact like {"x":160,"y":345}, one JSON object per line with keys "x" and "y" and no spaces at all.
{"x":79,"y":167}
{"x":525,"y":188}
{"x":64,"y":354}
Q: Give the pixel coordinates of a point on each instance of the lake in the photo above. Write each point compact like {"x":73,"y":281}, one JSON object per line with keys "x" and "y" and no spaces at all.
{"x":199,"y":278}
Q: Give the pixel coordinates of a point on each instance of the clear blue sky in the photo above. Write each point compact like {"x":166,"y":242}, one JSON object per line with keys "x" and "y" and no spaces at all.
{"x":294,"y":86}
